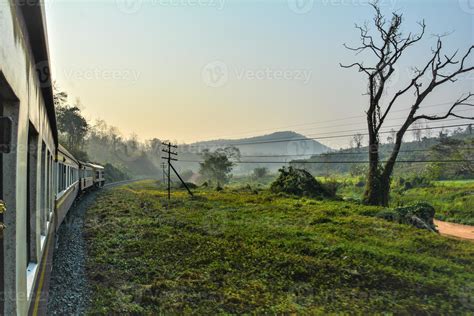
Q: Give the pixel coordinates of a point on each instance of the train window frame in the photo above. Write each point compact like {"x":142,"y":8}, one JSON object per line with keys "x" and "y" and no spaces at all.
{"x":43,"y":189}
{"x":32,"y":192}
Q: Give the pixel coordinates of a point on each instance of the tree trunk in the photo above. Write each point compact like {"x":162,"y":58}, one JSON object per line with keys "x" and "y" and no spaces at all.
{"x":378,"y":182}
{"x":377,"y":191}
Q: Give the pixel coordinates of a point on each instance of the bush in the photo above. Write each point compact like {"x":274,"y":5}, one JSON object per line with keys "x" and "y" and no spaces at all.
{"x":413,"y":182}
{"x":420,"y":215}
{"x":298,"y":182}
{"x":331,"y":185}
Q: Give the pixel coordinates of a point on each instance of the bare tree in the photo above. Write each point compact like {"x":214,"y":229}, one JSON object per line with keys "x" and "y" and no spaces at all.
{"x":391,"y":136}
{"x":357,"y":140}
{"x":387,"y":47}
{"x":417,"y":131}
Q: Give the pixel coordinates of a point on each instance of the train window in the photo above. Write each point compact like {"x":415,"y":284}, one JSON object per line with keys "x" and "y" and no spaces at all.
{"x":63,"y":177}
{"x":31,"y":187}
{"x":43,"y":197}
{"x":48,"y":185}
{"x":60,"y":172}
{"x":60,"y":177}
{"x":5,"y":134}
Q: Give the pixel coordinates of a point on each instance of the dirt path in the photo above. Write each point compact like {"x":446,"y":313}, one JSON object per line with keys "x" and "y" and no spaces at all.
{"x":455,"y":230}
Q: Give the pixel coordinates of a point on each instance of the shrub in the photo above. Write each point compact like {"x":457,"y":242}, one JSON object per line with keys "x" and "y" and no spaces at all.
{"x":414,"y":182}
{"x":331,"y":185}
{"x":298,"y":182}
{"x":419,"y":215}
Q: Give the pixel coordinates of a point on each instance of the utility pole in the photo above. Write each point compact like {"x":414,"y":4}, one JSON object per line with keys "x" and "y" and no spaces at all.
{"x":171,"y":157}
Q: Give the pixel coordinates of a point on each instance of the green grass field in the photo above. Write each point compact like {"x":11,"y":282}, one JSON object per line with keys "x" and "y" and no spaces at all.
{"x":237,"y":251}
{"x":452,"y":200}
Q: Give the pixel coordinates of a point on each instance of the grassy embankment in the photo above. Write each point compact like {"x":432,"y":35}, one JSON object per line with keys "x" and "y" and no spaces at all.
{"x":241,"y":252}
{"x":452,"y":200}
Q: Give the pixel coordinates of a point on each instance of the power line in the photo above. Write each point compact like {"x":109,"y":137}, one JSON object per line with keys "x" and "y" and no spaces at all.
{"x":388,"y":120}
{"x":333,"y":120}
{"x":338,"y":153}
{"x":337,"y":162}
{"x":385,"y":127}
{"x":324,"y":137}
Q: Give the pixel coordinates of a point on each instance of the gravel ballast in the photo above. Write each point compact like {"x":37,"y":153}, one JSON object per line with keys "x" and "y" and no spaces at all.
{"x":69,"y":293}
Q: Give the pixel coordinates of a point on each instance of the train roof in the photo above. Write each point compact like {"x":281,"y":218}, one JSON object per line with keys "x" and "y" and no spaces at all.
{"x":66,"y":153}
{"x":35,"y":23}
{"x":96,"y":166}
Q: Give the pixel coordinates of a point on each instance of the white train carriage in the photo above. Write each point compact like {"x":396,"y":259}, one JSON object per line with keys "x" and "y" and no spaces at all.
{"x":68,"y":186}
{"x":87,"y":176}
{"x":27,"y":153}
{"x":99,"y":175}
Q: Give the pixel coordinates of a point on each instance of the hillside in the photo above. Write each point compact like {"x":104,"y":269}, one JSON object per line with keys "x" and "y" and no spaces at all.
{"x":455,"y":147}
{"x":270,"y":144}
{"x":267,"y":145}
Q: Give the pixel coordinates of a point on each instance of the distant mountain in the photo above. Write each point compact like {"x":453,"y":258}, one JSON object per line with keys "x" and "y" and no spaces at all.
{"x":280,"y":146}
{"x":278,"y":143}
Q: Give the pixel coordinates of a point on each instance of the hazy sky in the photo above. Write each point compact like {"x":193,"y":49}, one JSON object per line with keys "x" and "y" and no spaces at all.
{"x":191,"y":70}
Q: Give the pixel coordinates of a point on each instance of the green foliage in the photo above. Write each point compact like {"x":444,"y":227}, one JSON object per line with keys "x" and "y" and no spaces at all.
{"x":458,"y":146}
{"x":299,"y":182}
{"x":114,"y":174}
{"x":217,"y":165}
{"x":420,"y":215}
{"x":413,"y":182}
{"x":73,"y":126}
{"x":241,"y":253}
{"x":452,"y":200}
{"x":452,"y":149}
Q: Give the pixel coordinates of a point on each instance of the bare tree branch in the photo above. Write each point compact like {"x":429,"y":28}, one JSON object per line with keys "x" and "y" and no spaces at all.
{"x":462,"y":101}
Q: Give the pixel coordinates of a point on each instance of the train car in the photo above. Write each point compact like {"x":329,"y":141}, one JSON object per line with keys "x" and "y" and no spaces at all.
{"x":68,"y":186}
{"x":99,"y":175}
{"x":87,"y":176}
{"x":28,"y":144}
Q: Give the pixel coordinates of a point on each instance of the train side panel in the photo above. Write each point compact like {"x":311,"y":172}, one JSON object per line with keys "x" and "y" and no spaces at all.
{"x":99,"y":175}
{"x":87,"y":178}
{"x":27,"y":170}
{"x":68,"y":183}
